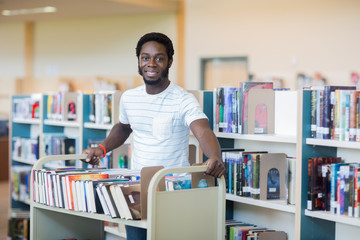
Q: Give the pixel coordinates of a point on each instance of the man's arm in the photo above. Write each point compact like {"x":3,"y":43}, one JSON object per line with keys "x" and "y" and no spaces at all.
{"x":210,"y":146}
{"x":117,"y":136}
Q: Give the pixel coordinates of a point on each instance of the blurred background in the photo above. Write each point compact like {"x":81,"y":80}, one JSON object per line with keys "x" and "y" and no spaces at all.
{"x":87,"y":44}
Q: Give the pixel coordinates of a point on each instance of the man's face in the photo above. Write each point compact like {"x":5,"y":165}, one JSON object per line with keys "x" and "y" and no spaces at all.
{"x":153,"y":63}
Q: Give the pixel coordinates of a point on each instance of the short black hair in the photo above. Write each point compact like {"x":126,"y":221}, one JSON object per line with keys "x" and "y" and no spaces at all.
{"x":157,"y":37}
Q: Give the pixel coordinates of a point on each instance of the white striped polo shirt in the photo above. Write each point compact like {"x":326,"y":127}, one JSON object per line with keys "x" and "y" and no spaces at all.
{"x":160,"y":125}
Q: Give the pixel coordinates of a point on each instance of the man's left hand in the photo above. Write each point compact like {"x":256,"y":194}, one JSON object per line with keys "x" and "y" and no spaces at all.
{"x":215,"y":167}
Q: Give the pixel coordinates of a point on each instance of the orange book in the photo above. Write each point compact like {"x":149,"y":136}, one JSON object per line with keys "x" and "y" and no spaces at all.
{"x":82,"y":176}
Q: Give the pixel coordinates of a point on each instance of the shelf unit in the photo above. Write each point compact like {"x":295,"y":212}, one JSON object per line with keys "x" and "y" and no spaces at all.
{"x":25,"y":125}
{"x":283,"y":215}
{"x":202,"y":219}
{"x":321,"y":224}
{"x":276,"y":214}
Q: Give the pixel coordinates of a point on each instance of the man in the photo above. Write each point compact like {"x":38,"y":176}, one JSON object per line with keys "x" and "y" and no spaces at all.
{"x":159,"y":114}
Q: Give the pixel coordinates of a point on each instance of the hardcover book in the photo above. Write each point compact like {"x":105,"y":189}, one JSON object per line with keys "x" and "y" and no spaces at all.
{"x":244,"y":92}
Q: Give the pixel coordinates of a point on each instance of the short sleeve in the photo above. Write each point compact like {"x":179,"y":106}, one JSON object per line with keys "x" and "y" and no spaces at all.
{"x":190,"y":109}
{"x":123,"y":118}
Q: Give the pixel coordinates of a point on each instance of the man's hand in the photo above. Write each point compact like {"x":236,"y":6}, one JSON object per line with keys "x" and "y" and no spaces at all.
{"x":94,"y":155}
{"x":215,"y":167}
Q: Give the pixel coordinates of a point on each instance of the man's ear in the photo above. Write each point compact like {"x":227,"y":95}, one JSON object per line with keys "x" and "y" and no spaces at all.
{"x":170,"y":62}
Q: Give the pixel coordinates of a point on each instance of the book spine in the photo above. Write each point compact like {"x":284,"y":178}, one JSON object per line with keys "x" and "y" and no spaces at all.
{"x":313,"y":113}
{"x":327,"y":113}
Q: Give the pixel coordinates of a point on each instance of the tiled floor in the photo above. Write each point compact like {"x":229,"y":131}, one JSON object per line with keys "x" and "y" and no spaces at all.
{"x":4,"y":208}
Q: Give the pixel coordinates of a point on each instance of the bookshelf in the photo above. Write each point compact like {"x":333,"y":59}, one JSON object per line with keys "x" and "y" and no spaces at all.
{"x":283,"y":215}
{"x":321,"y":224}
{"x":25,"y":127}
{"x":202,"y":219}
{"x":275,"y":214}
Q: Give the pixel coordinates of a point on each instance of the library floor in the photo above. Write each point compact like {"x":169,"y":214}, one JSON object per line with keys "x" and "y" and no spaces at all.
{"x":4,"y":208}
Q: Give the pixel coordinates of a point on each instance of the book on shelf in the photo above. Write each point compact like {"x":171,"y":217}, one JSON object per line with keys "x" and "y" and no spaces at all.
{"x":18,"y":228}
{"x":20,"y":183}
{"x":232,"y":159}
{"x":173,"y":183}
{"x":291,"y":183}
{"x":334,"y":112}
{"x":238,"y":230}
{"x":109,"y":199}
{"x":244,"y":92}
{"x":101,"y":109}
{"x":274,"y":167}
{"x":260,"y":111}
{"x":61,"y":106}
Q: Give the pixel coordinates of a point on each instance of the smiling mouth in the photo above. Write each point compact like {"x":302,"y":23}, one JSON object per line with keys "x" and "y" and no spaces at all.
{"x":151,"y":73}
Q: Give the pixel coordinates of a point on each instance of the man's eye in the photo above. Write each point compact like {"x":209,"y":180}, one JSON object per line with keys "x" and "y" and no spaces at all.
{"x":145,"y":58}
{"x":159,"y":59}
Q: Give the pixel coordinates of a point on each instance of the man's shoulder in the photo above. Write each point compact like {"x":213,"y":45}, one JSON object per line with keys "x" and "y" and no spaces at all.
{"x":134,"y":91}
{"x":179,"y":91}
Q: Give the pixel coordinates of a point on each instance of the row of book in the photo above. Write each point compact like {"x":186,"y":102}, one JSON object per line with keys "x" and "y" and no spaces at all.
{"x":334,"y":186}
{"x":335,"y":113}
{"x":231,"y":108}
{"x":25,"y":148}
{"x":259,"y":175}
{"x":238,"y":230}
{"x":81,"y":189}
{"x":26,"y":108}
{"x":113,"y":192}
{"x":61,"y":106}
{"x":60,"y":144}
{"x":101,"y":107}
{"x":20,"y":183}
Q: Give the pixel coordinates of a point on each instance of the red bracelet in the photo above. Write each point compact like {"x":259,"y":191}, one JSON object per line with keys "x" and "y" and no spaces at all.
{"x":104,"y":150}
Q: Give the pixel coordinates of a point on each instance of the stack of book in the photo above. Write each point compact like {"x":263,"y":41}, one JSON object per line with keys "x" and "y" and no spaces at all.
{"x":239,"y":230}
{"x":334,"y":186}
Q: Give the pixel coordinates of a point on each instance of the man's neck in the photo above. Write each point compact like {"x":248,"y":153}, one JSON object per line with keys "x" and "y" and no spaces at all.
{"x":158,"y":88}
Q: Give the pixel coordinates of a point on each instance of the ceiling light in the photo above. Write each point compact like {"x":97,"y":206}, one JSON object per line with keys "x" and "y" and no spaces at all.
{"x":47,"y":9}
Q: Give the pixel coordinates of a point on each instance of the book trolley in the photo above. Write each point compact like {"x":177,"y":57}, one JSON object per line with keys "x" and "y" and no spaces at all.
{"x":197,"y":213}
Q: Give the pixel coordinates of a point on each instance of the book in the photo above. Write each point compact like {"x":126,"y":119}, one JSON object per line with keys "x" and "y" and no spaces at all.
{"x":131,"y":193}
{"x":109,"y":199}
{"x":274,"y":167}
{"x":334,"y":187}
{"x":291,"y":183}
{"x":244,"y":92}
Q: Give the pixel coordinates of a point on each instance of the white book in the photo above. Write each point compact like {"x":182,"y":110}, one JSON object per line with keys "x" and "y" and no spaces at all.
{"x":117,"y":201}
{"x":109,"y":202}
{"x":55,"y":191}
{"x":127,"y":214}
{"x":102,"y":200}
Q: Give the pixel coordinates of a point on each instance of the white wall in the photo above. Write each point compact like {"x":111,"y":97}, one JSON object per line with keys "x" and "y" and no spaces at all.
{"x":95,"y":46}
{"x":81,"y":48}
{"x":11,"y":62}
{"x":280,"y":37}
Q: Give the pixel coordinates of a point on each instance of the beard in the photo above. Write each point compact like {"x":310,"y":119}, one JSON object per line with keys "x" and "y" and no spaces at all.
{"x":163,"y":76}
